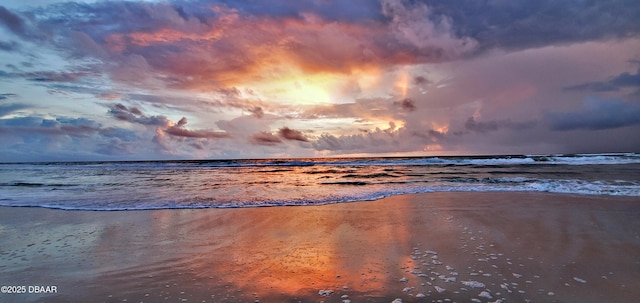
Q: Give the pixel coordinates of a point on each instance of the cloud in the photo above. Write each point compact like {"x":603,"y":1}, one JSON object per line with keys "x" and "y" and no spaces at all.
{"x":431,"y":35}
{"x":116,"y":146}
{"x":109,"y":96}
{"x":597,"y":114}
{"x":292,"y":134}
{"x":406,"y":104}
{"x":34,"y":138}
{"x":9,"y":46}
{"x":421,"y":80}
{"x":363,"y":109}
{"x":73,"y":127}
{"x":243,"y":70}
{"x":202,"y":46}
{"x":381,"y":141}
{"x":256,"y":111}
{"x":199,"y":45}
{"x":134,"y":115}
{"x":11,"y":21}
{"x":530,"y":24}
{"x":178,"y":130}
{"x":620,"y":81}
{"x":269,"y":139}
{"x":50,"y":76}
{"x":7,"y":96}
{"x":66,"y":137}
{"x":265,"y":138}
{"x":473,"y":125}
{"x":355,"y":10}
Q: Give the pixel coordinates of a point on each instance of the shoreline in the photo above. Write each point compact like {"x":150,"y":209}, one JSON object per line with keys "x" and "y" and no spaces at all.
{"x":520,"y":245}
{"x":55,"y":208}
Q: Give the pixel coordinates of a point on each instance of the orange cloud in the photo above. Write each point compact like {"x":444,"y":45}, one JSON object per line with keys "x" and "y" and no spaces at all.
{"x":232,"y":49}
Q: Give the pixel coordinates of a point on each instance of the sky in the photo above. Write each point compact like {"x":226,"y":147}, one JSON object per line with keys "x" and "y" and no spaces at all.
{"x":199,"y":79}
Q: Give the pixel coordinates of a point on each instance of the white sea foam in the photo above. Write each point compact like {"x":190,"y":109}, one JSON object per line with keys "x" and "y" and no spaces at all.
{"x":473,"y":284}
{"x":485,"y":294}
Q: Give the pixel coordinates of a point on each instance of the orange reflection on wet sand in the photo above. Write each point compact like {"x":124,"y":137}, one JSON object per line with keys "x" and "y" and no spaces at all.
{"x":307,"y":249}
{"x":399,"y":247}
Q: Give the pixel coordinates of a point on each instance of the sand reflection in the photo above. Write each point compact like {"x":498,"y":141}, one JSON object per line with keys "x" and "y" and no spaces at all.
{"x":307,"y":249}
{"x":540,"y":248}
{"x":276,"y":253}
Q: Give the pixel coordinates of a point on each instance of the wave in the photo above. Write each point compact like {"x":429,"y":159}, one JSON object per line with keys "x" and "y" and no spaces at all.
{"x":33,"y":184}
{"x":255,"y":183}
{"x":363,"y":191}
{"x":537,"y":159}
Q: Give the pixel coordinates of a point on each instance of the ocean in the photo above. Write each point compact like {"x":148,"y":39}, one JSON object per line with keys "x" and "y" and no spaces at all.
{"x":109,"y":186}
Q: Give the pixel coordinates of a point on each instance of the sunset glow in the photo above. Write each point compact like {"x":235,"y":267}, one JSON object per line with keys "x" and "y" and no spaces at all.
{"x":112,"y":79}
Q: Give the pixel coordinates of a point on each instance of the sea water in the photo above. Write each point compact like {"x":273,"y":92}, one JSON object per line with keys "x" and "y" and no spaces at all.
{"x":314,"y":181}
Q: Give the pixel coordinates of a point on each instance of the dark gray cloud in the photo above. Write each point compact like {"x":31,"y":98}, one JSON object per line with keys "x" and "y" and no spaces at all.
{"x":256,"y":111}
{"x":115,"y":146}
{"x":7,"y":96}
{"x":406,"y":104}
{"x":597,"y":114}
{"x":522,"y":24}
{"x":134,"y":115}
{"x":121,"y":134}
{"x":33,"y":138}
{"x":354,"y":10}
{"x":510,"y":24}
{"x":9,"y":46}
{"x":265,"y":138}
{"x":49,"y":76}
{"x":380,"y":140}
{"x":24,"y":25}
{"x":74,"y":127}
{"x":620,"y":81}
{"x":473,"y":125}
{"x":12,"y":21}
{"x":421,"y":80}
{"x":292,"y":134}
{"x":23,"y":122}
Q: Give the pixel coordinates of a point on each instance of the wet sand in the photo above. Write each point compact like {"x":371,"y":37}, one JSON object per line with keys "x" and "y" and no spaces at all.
{"x":436,"y":247}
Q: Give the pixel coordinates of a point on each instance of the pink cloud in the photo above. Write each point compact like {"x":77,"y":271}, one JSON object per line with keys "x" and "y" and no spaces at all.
{"x":292,"y":134}
{"x":178,"y":130}
{"x":265,"y":138}
{"x":229,"y":48}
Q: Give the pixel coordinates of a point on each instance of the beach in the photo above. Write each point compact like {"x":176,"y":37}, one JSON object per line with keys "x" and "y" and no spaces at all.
{"x":430,"y":247}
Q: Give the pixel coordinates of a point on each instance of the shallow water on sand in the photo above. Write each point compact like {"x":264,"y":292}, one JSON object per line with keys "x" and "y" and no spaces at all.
{"x":453,"y":247}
